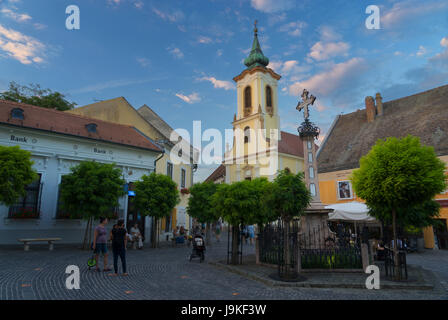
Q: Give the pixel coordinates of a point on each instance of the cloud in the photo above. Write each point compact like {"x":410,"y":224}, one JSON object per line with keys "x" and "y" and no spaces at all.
{"x":270,"y":6}
{"x":205,"y":40}
{"x":143,"y":62}
{"x":288,"y":67}
{"x":406,"y":10}
{"x":293,"y":28}
{"x":21,"y":47}
{"x":169,"y":16}
{"x":109,"y":85}
{"x":18,"y":17}
{"x":221,"y":84}
{"x":138,"y":4}
{"x":176,"y":52}
{"x":191,"y":98}
{"x":444,"y":42}
{"x":328,"y":81}
{"x":324,"y":50}
{"x":421,"y":51}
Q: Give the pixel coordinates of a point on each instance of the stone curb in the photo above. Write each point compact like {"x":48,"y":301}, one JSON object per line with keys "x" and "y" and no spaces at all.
{"x":274,"y":283}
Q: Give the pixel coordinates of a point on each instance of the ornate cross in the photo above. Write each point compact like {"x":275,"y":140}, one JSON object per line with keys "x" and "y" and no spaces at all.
{"x":305,"y":103}
{"x":255,"y":26}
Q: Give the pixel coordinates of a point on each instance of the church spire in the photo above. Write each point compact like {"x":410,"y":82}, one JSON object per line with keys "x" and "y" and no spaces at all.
{"x":256,"y":57}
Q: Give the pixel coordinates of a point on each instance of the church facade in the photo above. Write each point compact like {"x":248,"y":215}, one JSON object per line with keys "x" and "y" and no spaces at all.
{"x":260,"y":148}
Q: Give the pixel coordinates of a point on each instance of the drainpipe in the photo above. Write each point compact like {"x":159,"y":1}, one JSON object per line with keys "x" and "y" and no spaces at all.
{"x":154,"y":230}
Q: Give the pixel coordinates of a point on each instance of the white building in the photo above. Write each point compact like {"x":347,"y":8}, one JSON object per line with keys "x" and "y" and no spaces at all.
{"x":57,"y":141}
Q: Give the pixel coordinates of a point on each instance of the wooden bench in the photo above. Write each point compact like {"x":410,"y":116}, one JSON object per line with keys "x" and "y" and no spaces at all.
{"x":50,"y":241}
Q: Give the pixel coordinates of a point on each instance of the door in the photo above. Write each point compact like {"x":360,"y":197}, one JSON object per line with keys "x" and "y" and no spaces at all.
{"x":134,"y":217}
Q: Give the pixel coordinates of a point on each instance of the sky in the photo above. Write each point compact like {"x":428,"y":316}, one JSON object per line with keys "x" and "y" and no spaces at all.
{"x":179,"y":57}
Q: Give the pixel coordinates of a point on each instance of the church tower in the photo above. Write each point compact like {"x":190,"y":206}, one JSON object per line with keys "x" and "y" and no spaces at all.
{"x":257,"y":108}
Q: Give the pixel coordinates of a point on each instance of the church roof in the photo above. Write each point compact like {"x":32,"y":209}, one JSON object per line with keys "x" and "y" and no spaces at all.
{"x":256,"y":56}
{"x":424,"y":115}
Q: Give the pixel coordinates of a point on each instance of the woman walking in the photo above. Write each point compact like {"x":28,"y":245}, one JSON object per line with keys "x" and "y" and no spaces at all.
{"x":119,"y":242}
{"x":100,"y":242}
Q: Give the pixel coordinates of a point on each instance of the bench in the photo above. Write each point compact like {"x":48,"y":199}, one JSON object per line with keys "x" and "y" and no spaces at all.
{"x":50,"y":241}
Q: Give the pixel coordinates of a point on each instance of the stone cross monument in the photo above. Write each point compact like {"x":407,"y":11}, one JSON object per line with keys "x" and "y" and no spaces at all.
{"x":316,"y":214}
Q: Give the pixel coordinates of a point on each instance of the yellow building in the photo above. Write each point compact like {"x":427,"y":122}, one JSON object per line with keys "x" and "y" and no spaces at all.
{"x":259,"y":148}
{"x":352,"y":135}
{"x":145,"y":120}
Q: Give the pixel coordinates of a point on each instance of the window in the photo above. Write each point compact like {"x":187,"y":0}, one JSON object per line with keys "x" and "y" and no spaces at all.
{"x":247,"y":100}
{"x":17,"y":113}
{"x":311,"y":172}
{"x":309,"y":145}
{"x":310,"y":157}
{"x":60,"y":212}
{"x":28,"y":206}
{"x":268,"y":96}
{"x":169,"y":170}
{"x":344,"y":190}
{"x":182,"y":178}
{"x":91,"y":127}
{"x":246,"y":135}
{"x":312,"y":189}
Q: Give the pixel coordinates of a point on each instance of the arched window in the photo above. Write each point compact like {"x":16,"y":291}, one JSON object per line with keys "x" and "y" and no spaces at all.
{"x":246,"y":135}
{"x":268,"y":96}
{"x":247,"y":98}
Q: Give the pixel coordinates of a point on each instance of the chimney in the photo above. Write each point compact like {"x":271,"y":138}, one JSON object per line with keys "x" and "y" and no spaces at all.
{"x":370,"y":109}
{"x":379,"y":104}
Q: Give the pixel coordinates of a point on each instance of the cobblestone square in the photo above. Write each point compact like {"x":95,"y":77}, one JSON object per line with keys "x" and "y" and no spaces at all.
{"x":167,"y":273}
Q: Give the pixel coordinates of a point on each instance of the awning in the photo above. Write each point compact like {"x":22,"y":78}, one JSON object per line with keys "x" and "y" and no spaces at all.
{"x":350,"y":211}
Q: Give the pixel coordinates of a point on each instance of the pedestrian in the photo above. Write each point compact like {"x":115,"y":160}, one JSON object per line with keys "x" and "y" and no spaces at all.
{"x":100,"y":243}
{"x":136,"y":235}
{"x":251,"y":233}
{"x":218,"y":230}
{"x":119,"y":242}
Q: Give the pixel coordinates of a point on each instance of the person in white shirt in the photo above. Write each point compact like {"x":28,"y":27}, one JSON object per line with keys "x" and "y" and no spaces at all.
{"x":136,"y":235}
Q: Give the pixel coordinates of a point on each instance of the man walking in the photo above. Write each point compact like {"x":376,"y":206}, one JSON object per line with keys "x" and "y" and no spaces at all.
{"x":119,"y":242}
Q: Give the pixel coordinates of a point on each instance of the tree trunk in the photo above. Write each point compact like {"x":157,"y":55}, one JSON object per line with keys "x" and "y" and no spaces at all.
{"x":208,"y":234}
{"x":85,"y":245}
{"x":235,"y":244}
{"x":396,"y":262}
{"x":155,"y":232}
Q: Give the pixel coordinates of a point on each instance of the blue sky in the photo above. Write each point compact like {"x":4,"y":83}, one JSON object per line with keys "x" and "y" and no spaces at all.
{"x":179,"y":57}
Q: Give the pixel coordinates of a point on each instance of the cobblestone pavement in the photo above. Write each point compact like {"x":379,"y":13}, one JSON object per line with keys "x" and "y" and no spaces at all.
{"x":166,"y":273}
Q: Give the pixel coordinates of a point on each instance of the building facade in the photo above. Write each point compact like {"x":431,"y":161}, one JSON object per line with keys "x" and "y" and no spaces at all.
{"x":260,"y":148}
{"x":352,"y":135}
{"x":57,"y":141}
{"x":176,"y":162}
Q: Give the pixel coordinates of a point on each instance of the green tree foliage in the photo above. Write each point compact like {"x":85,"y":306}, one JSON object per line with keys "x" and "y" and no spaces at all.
{"x":398,"y":178}
{"x":156,"y":195}
{"x":200,"y":204}
{"x":289,"y":196}
{"x":16,"y":173}
{"x":37,"y":96}
{"x":91,"y":190}
{"x":242,"y":203}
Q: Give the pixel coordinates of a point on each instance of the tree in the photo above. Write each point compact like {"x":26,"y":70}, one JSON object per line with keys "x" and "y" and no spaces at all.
{"x":16,"y":173}
{"x":156,"y":195}
{"x":200,"y":204}
{"x":397,"y":178}
{"x":37,"y":96}
{"x":91,"y":190}
{"x":288,"y":198}
{"x":242,"y":203}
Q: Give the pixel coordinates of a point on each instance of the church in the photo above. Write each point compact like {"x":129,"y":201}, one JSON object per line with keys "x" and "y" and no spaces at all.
{"x":259,"y":148}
